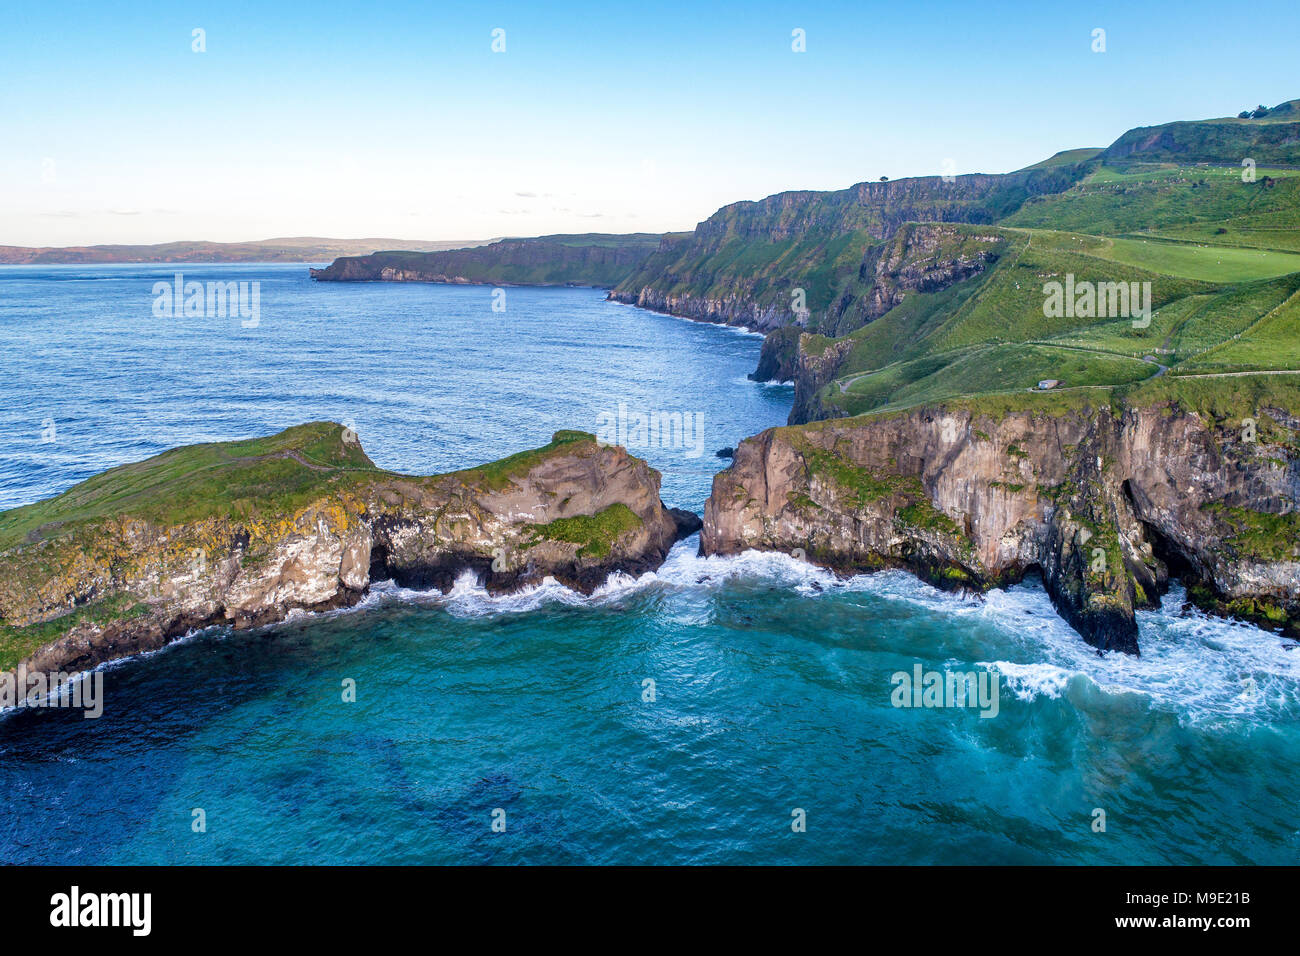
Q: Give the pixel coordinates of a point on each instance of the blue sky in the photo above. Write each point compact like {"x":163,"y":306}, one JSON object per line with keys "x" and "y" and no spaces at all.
{"x":398,"y":120}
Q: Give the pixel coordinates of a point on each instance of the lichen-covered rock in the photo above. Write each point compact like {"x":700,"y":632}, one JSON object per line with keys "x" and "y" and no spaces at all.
{"x":575,"y":512}
{"x":1105,"y":503}
{"x":241,"y":533}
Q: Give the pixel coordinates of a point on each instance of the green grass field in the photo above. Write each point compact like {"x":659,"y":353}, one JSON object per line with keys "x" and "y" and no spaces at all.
{"x":1219,"y":305}
{"x":1206,"y":263}
{"x":1164,"y":199}
{"x":988,"y":369}
{"x":1067,"y":157}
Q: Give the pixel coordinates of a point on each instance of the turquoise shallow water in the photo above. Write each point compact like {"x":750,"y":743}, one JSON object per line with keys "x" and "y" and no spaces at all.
{"x":772,"y":679}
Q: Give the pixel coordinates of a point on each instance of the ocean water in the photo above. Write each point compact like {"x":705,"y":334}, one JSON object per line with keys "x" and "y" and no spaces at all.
{"x":688,"y":716}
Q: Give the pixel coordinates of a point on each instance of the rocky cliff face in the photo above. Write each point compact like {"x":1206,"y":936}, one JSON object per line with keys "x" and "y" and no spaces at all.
{"x":743,"y":265}
{"x":926,"y":257}
{"x":576,"y":516}
{"x":920,"y":258}
{"x":734,"y":307}
{"x":1106,"y":503}
{"x":813,"y":369}
{"x":78,"y":590}
{"x":779,"y":359}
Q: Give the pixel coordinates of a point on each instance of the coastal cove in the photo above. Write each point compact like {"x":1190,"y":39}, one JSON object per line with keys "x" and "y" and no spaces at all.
{"x":770,"y":678}
{"x":430,"y":377}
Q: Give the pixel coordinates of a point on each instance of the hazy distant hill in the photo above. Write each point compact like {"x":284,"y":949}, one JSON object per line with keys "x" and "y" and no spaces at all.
{"x":293,"y":249}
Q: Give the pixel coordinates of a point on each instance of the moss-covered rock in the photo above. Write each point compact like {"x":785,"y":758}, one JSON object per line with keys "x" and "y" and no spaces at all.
{"x":1107,"y":503}
{"x":240,"y":533}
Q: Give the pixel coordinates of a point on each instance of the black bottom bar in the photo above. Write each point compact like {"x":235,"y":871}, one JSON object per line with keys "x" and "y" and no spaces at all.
{"x":213,"y":905}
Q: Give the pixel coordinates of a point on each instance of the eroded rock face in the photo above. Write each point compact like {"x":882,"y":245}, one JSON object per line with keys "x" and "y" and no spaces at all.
{"x":1103,"y":504}
{"x":574,"y":510}
{"x":813,"y":370}
{"x":790,"y":240}
{"x":779,"y":358}
{"x":920,"y":257}
{"x":168,"y":581}
{"x":736,"y":307}
{"x":425,"y":536}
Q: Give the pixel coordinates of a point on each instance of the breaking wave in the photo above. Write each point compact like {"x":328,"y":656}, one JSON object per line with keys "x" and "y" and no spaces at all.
{"x":1198,"y":666}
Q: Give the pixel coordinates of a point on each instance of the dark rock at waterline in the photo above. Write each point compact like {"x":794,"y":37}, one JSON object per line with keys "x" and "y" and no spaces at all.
{"x":688,"y":522}
{"x":726,"y":453}
{"x":779,"y":359}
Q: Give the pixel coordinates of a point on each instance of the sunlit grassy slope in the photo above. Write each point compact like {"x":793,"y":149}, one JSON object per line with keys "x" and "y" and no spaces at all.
{"x":1221,"y":255}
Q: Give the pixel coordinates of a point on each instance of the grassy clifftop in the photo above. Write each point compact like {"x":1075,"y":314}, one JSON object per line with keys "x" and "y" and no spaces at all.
{"x":1215,"y":312}
{"x":1214,"y":244}
{"x":196,"y":482}
{"x":926,"y":288}
{"x":248,"y":478}
{"x":1271,"y":138}
{"x":245,"y":530}
{"x":761,"y":252}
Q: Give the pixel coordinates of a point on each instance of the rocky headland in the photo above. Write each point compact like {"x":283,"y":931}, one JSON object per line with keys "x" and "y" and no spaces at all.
{"x":241,"y":533}
{"x":1106,"y":498}
{"x":570,"y":260}
{"x":806,"y":258}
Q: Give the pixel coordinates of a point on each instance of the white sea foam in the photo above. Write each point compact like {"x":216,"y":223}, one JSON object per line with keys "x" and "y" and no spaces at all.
{"x":746,"y":380}
{"x":468,"y":597}
{"x":683,"y":568}
{"x":1204,"y":668}
{"x":1027,"y":681}
{"x":1192,"y":664}
{"x":1200,"y":667}
{"x":130,"y":659}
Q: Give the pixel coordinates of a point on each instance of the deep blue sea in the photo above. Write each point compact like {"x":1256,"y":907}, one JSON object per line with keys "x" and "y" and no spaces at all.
{"x":772,"y":694}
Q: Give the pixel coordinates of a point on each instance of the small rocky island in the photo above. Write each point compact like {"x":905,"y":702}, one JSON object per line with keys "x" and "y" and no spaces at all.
{"x":241,"y":533}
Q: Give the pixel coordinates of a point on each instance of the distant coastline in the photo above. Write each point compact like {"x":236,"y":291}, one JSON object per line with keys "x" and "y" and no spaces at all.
{"x":291,"y":249}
